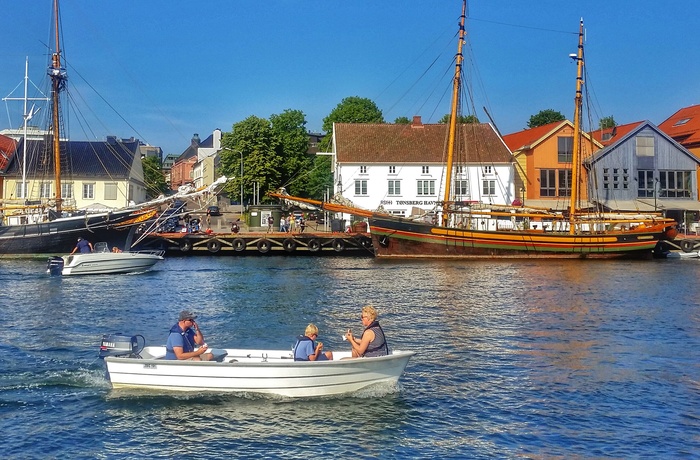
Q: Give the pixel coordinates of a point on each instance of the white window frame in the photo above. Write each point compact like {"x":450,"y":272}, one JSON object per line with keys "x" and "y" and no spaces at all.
{"x":89,"y":191}
{"x":361,"y":187}
{"x":425,"y":187}
{"x":488,"y":187}
{"x":393,"y":187}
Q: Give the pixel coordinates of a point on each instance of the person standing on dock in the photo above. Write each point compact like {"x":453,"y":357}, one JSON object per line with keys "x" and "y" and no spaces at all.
{"x":270,"y":223}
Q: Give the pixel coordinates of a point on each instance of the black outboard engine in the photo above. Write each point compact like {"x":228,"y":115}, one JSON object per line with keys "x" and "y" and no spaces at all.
{"x":55,"y":265}
{"x":121,"y":345}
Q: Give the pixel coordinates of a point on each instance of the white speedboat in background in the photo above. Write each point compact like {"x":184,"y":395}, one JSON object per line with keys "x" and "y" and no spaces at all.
{"x":274,"y":372}
{"x":103,"y":261}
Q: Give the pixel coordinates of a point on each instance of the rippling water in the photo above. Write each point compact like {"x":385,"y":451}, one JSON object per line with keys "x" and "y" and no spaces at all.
{"x":543,"y":359}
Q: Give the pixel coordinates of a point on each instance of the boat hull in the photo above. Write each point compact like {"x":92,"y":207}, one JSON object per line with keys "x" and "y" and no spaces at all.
{"x":60,"y":235}
{"x":401,"y":238}
{"x":256,"y":371}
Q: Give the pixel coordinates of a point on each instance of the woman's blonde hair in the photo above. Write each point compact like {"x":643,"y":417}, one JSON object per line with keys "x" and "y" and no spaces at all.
{"x":369,"y":310}
{"x":311,"y":329}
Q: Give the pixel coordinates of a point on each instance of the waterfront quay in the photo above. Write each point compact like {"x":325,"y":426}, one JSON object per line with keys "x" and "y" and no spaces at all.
{"x":260,"y":242}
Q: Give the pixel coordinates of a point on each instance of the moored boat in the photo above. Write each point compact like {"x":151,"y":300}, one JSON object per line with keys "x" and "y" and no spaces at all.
{"x":272,"y":372}
{"x":472,"y":230}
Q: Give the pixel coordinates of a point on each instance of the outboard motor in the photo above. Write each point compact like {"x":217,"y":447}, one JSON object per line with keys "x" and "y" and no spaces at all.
{"x":55,"y":265}
{"x":121,"y":345}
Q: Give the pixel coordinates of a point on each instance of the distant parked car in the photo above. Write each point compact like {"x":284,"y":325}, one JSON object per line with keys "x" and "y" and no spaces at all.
{"x":213,"y":211}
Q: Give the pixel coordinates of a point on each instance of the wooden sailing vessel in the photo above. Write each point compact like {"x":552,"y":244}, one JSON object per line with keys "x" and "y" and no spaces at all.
{"x":475,"y":230}
{"x":48,"y":227}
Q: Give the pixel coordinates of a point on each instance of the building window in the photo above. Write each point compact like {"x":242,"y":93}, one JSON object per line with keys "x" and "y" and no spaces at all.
{"x":425,"y":169}
{"x":565,"y":149}
{"x":45,"y":190}
{"x":459,"y":169}
{"x":675,"y":184}
{"x":363,"y":169}
{"x":110,"y":191}
{"x":88,"y":191}
{"x":66,"y":190}
{"x":392,"y":169}
{"x":564,"y":186}
{"x":360,"y":188}
{"x":488,"y":170}
{"x":21,"y":192}
{"x":426,"y":187}
{"x":645,"y":182}
{"x":548,"y":186}
{"x":394,"y":187}
{"x":645,"y":146}
{"x":461,"y":188}
{"x":681,"y":122}
{"x":488,"y":187}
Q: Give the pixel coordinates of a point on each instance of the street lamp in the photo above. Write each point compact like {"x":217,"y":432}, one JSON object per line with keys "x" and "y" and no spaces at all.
{"x":522,"y":201}
{"x":241,"y":182}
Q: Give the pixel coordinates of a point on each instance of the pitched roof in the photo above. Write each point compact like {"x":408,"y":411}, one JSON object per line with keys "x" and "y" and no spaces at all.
{"x":608,"y":136}
{"x":7,"y":149}
{"x":684,"y":126}
{"x":99,"y":159}
{"x":416,"y":143}
{"x":527,"y":138}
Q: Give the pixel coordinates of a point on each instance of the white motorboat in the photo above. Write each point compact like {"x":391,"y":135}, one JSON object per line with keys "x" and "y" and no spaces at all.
{"x":683,"y":255}
{"x":102,"y":261}
{"x":246,"y":371}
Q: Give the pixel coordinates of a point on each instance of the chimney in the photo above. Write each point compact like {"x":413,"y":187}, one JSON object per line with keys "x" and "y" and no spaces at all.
{"x":195,"y":140}
{"x":417,"y":123}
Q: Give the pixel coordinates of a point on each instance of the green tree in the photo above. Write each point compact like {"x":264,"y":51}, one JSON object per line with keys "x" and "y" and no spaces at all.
{"x":153,"y":177}
{"x":353,"y":109}
{"x":402,"y":121}
{"x":607,"y":122}
{"x":460,"y":119}
{"x":545,"y":117}
{"x":289,"y":128}
{"x":256,"y":140}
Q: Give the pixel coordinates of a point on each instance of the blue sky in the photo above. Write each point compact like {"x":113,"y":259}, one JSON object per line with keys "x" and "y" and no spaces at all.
{"x":172,"y":68}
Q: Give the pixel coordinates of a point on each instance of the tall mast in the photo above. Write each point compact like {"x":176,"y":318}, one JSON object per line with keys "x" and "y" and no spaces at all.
{"x":576,"y":154}
{"x":453,"y":116}
{"x":58,"y":79}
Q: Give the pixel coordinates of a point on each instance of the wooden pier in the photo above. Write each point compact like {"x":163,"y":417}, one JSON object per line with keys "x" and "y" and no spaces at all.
{"x":248,"y":243}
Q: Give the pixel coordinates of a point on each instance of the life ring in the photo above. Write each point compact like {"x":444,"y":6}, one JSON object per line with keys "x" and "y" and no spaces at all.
{"x":185,"y":245}
{"x":314,"y":245}
{"x":214,"y":246}
{"x":289,"y":245}
{"x":239,"y":244}
{"x":384,"y":241}
{"x":264,"y":246}
{"x":338,"y":245}
{"x":687,"y":245}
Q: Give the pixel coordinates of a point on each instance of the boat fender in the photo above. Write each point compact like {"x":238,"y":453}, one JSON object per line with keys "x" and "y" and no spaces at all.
{"x":314,"y":245}
{"x":687,"y":245}
{"x":264,"y":246}
{"x":185,"y":245}
{"x":239,"y":244}
{"x":338,"y":245}
{"x":214,"y":246}
{"x":289,"y":245}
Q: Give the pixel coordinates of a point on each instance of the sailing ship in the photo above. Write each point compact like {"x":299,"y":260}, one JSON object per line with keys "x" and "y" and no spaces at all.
{"x":469,"y":230}
{"x":49,"y":225}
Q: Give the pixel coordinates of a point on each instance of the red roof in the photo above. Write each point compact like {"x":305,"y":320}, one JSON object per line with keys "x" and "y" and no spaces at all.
{"x":684,"y":126}
{"x":416,"y":143}
{"x":609,"y":135}
{"x":7,"y":149}
{"x":525,"y":139}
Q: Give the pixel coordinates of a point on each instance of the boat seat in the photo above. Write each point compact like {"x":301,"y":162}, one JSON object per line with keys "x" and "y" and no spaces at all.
{"x":101,"y":247}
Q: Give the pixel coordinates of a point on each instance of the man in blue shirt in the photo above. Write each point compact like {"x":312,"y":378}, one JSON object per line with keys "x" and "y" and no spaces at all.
{"x":84,"y":246}
{"x":307,"y":350}
{"x":183,"y":337}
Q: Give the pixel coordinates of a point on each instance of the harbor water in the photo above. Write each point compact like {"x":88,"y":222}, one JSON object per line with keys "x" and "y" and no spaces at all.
{"x":516,"y":359}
